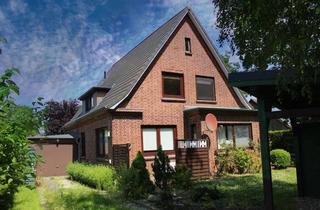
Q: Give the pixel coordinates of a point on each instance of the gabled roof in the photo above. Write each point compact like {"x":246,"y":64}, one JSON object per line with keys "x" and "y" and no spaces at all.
{"x":126,"y":73}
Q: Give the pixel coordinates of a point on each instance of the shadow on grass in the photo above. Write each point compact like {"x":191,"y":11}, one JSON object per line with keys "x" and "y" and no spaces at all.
{"x":246,"y":191}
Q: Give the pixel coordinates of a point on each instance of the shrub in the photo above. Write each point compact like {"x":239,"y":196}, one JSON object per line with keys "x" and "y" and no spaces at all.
{"x":282,"y":139}
{"x":255,"y":167}
{"x":135,"y":182}
{"x":101,"y":177}
{"x":237,"y":161}
{"x":162,"y":170}
{"x":280,"y":158}
{"x":182,"y":177}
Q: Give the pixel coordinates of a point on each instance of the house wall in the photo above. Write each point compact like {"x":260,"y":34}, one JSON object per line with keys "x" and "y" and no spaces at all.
{"x":89,"y":128}
{"x":157,"y":111}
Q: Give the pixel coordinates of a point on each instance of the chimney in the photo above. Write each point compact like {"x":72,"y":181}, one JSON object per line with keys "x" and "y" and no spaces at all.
{"x":104,"y":74}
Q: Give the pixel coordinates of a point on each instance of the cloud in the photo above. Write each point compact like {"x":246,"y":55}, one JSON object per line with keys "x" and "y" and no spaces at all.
{"x":17,"y":6}
{"x":63,"y":47}
{"x":59,"y":61}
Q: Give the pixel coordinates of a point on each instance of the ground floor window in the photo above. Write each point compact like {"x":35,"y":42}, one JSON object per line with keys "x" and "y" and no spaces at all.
{"x":234,"y":135}
{"x":102,"y":141}
{"x":153,"y":137}
{"x":83,"y":145}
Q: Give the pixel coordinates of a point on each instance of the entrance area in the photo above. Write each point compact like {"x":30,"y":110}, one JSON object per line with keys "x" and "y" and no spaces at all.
{"x":195,"y":155}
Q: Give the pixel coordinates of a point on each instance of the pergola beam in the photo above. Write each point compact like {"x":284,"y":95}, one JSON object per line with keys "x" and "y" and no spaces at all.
{"x":309,"y":112}
{"x":263,"y":108}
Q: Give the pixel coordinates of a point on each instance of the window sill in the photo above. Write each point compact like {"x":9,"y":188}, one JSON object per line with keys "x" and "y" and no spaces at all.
{"x":102,"y":159}
{"x":206,"y":101}
{"x":188,"y":53}
{"x":170,"y":156}
{"x":174,"y":99}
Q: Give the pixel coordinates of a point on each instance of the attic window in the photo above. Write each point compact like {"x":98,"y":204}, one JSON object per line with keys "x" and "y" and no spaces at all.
{"x":187,"y":44}
{"x":88,"y":103}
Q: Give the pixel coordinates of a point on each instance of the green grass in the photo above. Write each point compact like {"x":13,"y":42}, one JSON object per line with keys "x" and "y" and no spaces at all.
{"x":26,"y":199}
{"x":82,"y":198}
{"x":246,"y":191}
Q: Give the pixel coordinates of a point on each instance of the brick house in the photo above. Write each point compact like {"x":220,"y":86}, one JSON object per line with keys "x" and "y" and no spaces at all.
{"x":161,"y":92}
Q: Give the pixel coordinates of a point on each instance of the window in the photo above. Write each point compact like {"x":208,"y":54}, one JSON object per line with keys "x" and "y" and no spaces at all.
{"x":102,"y":141}
{"x":152,"y":138}
{"x":205,"y":88}
{"x":88,"y":103}
{"x":173,"y":86}
{"x":83,"y":145}
{"x":234,"y":135}
{"x":187,"y":45}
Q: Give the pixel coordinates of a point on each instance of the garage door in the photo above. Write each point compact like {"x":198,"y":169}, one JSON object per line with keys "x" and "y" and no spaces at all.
{"x":55,"y":157}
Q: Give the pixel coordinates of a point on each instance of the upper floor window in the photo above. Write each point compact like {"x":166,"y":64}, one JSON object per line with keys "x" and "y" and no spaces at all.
{"x":205,"y":88}
{"x":88,"y":103}
{"x":234,"y":135}
{"x":187,"y":45}
{"x":102,"y":142}
{"x":173,"y":85}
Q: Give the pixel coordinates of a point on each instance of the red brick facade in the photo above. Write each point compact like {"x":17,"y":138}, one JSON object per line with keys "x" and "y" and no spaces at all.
{"x":146,"y":106}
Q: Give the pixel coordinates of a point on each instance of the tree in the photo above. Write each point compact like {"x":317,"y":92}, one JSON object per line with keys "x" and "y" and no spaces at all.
{"x":57,"y":114}
{"x":16,"y":164}
{"x":231,"y":66}
{"x":23,"y":118}
{"x":135,"y":183}
{"x":162,"y":170}
{"x":279,"y":35}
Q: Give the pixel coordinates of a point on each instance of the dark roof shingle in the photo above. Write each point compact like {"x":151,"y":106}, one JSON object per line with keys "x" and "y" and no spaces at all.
{"x":126,"y":73}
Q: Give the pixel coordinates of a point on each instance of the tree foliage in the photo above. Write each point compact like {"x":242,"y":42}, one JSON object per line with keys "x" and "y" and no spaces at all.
{"x":279,"y":35}
{"x":162,"y":170}
{"x":134,"y":182}
{"x":231,"y":66}
{"x":16,"y":164}
{"x":57,"y":114}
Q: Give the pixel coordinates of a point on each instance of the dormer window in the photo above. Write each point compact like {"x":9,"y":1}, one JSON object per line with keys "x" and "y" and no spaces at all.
{"x":93,"y":97}
{"x":187,"y":44}
{"x":88,"y":103}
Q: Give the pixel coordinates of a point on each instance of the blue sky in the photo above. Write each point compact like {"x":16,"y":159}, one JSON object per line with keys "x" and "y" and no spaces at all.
{"x":62,"y":47}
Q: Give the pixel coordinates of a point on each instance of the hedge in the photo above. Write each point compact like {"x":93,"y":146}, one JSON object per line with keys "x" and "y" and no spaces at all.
{"x":282,"y":139}
{"x":101,"y":177}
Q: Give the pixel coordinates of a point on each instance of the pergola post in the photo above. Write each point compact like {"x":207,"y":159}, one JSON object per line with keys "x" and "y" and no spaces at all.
{"x":264,"y":107}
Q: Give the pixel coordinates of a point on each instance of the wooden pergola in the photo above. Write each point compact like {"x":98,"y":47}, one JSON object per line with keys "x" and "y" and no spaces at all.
{"x":305,"y":121}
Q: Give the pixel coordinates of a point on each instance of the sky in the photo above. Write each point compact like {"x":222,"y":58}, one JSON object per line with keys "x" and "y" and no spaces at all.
{"x":62,"y":47}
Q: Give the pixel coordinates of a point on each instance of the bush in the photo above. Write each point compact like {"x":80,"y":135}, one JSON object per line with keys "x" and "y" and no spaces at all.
{"x":255,"y":167}
{"x":182,"y":177}
{"x":101,"y":177}
{"x":135,"y":182}
{"x":237,"y":161}
{"x":162,"y":170}
{"x":280,"y":158}
{"x":282,"y":139}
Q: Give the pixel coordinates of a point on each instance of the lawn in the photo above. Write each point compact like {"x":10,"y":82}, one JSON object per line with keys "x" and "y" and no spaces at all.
{"x":238,"y":192}
{"x":61,"y":193}
{"x":26,"y":199}
{"x":245,"y":191}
